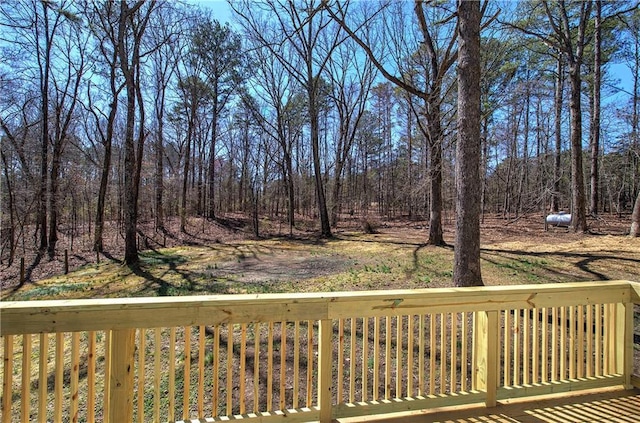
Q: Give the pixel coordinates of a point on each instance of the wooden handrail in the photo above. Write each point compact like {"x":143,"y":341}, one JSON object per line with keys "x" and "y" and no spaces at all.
{"x":608,"y":324}
{"x":21,"y":317}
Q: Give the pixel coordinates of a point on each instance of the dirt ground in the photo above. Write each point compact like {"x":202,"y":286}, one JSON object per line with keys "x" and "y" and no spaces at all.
{"x":225,"y":257}
{"x":516,"y":245}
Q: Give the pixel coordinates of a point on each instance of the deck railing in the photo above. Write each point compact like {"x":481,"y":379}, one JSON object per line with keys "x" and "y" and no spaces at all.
{"x":305,"y":357}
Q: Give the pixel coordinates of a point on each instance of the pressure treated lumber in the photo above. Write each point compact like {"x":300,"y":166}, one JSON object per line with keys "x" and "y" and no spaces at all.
{"x":19,"y":317}
{"x":540,"y":326}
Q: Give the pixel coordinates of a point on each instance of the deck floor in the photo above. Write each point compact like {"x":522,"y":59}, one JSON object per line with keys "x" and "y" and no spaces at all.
{"x":611,"y":405}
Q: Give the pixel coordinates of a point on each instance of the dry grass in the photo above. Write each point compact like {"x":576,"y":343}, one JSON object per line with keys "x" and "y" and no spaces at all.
{"x":394,"y":257}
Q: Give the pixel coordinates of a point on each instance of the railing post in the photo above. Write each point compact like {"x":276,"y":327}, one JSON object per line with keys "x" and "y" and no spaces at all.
{"x":624,"y":342}
{"x":7,"y":379}
{"x":325,"y":370}
{"x":486,"y":359}
{"x":121,"y":375}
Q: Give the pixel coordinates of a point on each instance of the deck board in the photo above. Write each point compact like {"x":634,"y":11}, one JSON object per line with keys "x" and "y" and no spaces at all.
{"x":603,"y":405}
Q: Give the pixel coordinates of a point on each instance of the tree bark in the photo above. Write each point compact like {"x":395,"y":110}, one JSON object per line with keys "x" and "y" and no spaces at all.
{"x":53,"y":198}
{"x":336,"y":193}
{"x":435,"y":184}
{"x":466,"y":270}
{"x":573,"y":49}
{"x":595,"y":111}
{"x":212,"y":155}
{"x":578,"y":212}
{"x":107,"y":139}
{"x":325,"y":224}
{"x":187,"y":155}
{"x":635,"y":218}
{"x":290,"y":192}
{"x":523,"y":183}
{"x":159,"y":176}
{"x":159,"y":156}
{"x":555,"y":196}
{"x":438,"y":66}
{"x":129,"y":66}
{"x":131,"y":248}
{"x":106,"y":168}
{"x":45,"y":66}
{"x":11,"y":205}
{"x":102,"y":195}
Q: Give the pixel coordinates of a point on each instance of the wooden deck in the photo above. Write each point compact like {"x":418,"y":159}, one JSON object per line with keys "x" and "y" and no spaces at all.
{"x":294,"y":358}
{"x":601,"y":405}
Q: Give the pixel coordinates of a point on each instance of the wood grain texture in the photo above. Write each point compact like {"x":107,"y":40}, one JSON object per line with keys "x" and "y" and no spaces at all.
{"x":19,"y":317}
{"x":554,"y":339}
{"x":7,"y":379}
{"x":122,"y":368}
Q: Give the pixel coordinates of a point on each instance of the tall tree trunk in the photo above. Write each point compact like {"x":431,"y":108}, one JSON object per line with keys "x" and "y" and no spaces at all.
{"x":130,"y":221}
{"x":339,"y":165}
{"x":11,"y":205}
{"x":433,"y":161}
{"x":595,"y":111}
{"x":573,"y":43}
{"x":290,"y":192}
{"x":325,"y":224}
{"x":200,"y":206}
{"x":187,"y":164}
{"x":435,"y":183}
{"x":141,"y":128}
{"x":540,"y":156}
{"x":410,"y":196}
{"x":53,"y":199}
{"x":635,"y":218}
{"x":523,"y":184}
{"x":159,"y":181}
{"x":104,"y":182}
{"x":555,"y":197}
{"x":484,"y":167}
{"x":212,"y":156}
{"x":45,"y":66}
{"x":129,"y":67}
{"x":159,"y":151}
{"x":635,"y":114}
{"x":466,"y":268}
{"x":578,"y":212}
{"x":107,"y":142}
{"x":42,"y":196}
{"x":336,"y":193}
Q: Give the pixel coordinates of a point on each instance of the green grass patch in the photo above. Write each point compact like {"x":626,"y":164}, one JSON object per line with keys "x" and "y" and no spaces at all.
{"x":378,"y":268}
{"x":51,"y":291}
{"x":532,"y":269}
{"x":351,"y":263}
{"x":154,"y":258}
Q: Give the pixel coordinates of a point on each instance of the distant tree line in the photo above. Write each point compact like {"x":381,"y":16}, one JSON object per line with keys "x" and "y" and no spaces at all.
{"x":122,"y":111}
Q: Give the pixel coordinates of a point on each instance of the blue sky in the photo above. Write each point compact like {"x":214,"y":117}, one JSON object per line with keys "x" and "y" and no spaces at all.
{"x":620,"y":72}
{"x":221,"y":9}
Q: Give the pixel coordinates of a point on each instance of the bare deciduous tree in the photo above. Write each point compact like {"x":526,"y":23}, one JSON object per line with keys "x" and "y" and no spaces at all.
{"x":132,"y":23}
{"x":309,"y":32}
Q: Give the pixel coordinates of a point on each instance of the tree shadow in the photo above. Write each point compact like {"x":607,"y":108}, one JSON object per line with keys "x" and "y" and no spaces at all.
{"x":584,"y":260}
{"x":27,"y":273}
{"x":164,"y":288}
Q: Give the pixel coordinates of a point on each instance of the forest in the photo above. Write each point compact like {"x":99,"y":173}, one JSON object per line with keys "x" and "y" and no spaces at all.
{"x":117,"y":113}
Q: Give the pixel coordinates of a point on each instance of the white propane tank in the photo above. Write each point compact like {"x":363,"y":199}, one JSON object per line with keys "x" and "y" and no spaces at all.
{"x":559,"y":219}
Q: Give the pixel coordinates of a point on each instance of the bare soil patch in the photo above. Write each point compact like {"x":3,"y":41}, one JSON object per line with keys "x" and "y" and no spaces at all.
{"x":223,"y":256}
